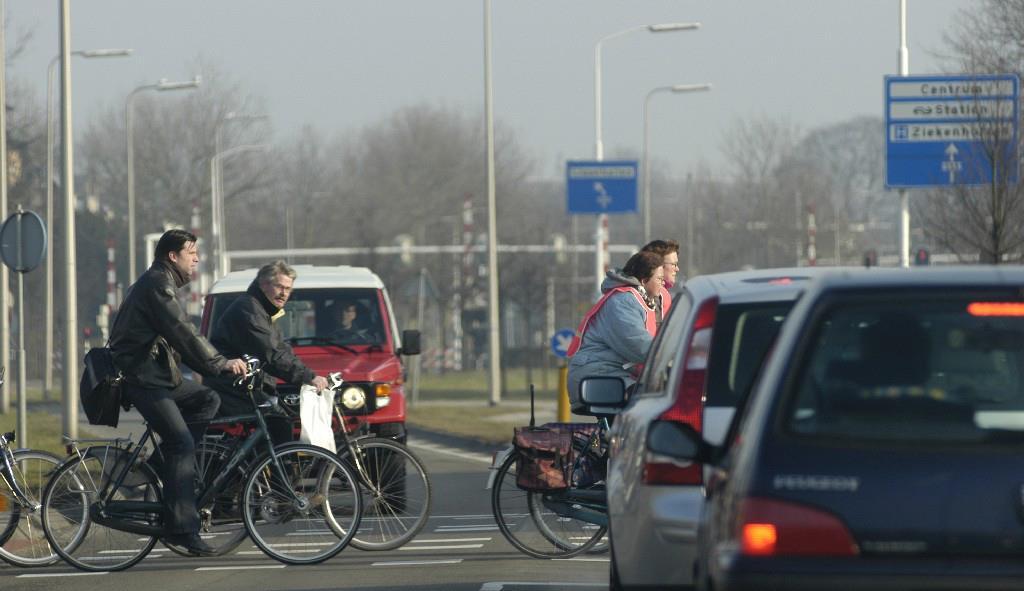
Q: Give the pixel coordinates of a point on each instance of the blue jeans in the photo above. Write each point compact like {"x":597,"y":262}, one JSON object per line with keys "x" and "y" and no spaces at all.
{"x":167,"y":411}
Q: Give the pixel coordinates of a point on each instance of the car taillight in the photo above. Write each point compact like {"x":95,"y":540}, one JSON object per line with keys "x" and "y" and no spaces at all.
{"x":770,"y":527}
{"x":688,"y":407}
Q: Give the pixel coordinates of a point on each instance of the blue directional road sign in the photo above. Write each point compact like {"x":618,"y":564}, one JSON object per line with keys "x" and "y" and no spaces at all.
{"x":940,"y":130}
{"x":601,"y":186}
{"x":561,"y":340}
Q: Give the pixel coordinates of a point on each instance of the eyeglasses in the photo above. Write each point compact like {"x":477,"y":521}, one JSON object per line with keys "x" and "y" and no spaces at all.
{"x":676,"y":265}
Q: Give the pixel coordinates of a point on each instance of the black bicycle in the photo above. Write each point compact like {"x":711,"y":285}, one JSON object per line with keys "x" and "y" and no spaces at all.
{"x":23,"y":475}
{"x":394,"y":482}
{"x":558,"y":521}
{"x":102,"y":510}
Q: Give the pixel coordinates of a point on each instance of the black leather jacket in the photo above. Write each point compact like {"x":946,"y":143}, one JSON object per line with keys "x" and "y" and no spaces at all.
{"x":247,"y":328}
{"x":152,"y":333}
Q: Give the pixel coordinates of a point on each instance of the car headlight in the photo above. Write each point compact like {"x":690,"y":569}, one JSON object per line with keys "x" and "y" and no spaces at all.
{"x":353,"y":398}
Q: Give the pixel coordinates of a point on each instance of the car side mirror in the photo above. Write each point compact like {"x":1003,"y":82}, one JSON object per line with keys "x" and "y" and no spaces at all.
{"x":410,"y":343}
{"x":603,"y":395}
{"x":679,"y":441}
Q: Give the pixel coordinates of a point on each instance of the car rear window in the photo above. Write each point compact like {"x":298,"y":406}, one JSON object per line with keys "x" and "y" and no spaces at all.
{"x":914,"y":368}
{"x":740,"y":339}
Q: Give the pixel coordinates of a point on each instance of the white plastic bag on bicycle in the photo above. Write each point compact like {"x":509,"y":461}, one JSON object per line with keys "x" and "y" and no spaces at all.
{"x":315,"y":410}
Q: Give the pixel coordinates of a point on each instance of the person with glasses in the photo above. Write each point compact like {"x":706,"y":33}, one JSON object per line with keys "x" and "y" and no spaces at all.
{"x":615,"y":335}
{"x":668,"y":250}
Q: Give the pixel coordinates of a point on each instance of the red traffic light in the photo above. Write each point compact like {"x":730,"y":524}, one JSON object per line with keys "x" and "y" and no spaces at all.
{"x":922,"y":257}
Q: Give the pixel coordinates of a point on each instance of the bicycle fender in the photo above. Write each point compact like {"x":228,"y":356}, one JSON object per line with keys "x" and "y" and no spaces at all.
{"x":499,"y":459}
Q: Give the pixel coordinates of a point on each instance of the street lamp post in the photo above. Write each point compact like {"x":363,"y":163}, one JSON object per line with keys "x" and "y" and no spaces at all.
{"x":50,"y":76}
{"x":162,"y":85}
{"x":216,"y":203}
{"x":602,"y":219}
{"x":217,"y":206}
{"x":677,"y":88}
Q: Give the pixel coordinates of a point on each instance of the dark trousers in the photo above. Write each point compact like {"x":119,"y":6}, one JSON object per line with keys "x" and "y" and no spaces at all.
{"x":167,"y":411}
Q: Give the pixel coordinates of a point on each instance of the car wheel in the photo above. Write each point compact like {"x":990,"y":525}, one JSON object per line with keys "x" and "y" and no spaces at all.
{"x":701,"y":581}
{"x":614,"y":584}
{"x":395,"y":431}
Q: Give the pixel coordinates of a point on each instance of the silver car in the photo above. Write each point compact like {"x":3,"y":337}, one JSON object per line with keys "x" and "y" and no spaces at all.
{"x":704,"y":358}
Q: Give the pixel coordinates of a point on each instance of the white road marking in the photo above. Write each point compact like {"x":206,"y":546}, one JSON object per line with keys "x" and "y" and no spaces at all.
{"x":414,"y":562}
{"x":499,"y":585}
{"x":448,"y":540}
{"x":446,"y":547}
{"x":240,"y":567}
{"x":38,"y":575}
{"x":463,"y":528}
{"x":473,"y":457}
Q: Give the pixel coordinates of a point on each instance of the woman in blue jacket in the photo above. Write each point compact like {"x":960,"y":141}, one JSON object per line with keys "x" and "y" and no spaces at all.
{"x":616,"y":333}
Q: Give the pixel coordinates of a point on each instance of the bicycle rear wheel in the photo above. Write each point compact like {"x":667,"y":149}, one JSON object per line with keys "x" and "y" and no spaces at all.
{"x":71,"y":527}
{"x":24,"y":543}
{"x":220,"y":522}
{"x":396,"y":493}
{"x":310,"y":517}
{"x":531,"y":526}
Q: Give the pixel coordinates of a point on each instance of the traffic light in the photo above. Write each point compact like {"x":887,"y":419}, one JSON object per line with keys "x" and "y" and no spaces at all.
{"x":922,"y":257}
{"x":870,"y":258}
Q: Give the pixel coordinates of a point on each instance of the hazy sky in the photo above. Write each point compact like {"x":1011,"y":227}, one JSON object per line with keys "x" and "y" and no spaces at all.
{"x":342,"y":64}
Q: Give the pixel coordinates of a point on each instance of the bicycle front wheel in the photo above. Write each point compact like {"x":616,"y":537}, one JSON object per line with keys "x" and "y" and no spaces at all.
{"x":23,"y":540}
{"x":307,"y":516}
{"x":396,"y":493}
{"x":531,"y":526}
{"x":74,"y":494}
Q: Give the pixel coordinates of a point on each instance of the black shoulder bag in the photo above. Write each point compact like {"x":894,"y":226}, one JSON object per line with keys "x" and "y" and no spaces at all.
{"x":100,"y":388}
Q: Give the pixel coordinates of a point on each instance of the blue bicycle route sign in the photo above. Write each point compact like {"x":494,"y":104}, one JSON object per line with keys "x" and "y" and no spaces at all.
{"x":601,"y":186}
{"x":560,"y":342}
{"x":943,"y":130}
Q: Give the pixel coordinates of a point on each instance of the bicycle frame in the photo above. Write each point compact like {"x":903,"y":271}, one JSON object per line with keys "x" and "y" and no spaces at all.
{"x":7,"y":472}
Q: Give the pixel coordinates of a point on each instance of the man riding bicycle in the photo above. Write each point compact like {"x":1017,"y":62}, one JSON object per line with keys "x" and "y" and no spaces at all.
{"x":150,"y":337}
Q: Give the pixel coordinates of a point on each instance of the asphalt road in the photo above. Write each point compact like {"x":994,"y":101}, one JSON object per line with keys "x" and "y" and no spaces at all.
{"x":460,"y":549}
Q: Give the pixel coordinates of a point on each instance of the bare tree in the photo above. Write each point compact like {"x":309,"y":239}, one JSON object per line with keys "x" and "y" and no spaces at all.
{"x":984,"y":221}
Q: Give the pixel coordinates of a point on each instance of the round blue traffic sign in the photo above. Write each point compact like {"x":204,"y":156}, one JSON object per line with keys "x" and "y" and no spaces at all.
{"x":561,"y":340}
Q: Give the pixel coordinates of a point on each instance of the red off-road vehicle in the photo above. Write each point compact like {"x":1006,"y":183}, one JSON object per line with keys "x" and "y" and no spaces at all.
{"x":339,"y":319}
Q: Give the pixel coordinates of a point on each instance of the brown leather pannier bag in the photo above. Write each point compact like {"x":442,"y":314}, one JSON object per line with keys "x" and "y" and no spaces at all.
{"x":544,"y":458}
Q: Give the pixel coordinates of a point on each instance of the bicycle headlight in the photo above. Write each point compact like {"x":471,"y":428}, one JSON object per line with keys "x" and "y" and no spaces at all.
{"x":353,"y":398}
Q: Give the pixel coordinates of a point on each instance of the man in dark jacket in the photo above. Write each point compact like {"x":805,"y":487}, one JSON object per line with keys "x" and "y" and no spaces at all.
{"x":248,"y":327}
{"x":150,"y":337}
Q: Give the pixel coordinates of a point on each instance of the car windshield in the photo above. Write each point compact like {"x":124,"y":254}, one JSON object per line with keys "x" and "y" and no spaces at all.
{"x":919,"y":368}
{"x":347,"y":316}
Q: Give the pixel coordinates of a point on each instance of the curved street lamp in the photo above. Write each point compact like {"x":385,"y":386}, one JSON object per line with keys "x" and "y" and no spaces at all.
{"x":162,"y":85}
{"x":677,"y":88}
{"x":602,"y":219}
{"x":217,"y":206}
{"x":50,"y":82}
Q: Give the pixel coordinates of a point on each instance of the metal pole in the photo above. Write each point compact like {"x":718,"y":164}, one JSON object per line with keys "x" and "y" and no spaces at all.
{"x":22,"y":403}
{"x":493,"y":320}
{"x":70,"y":381}
{"x":602,"y":219}
{"x":214,"y":218}
{"x":904,"y":198}
{"x":418,"y":367}
{"x":5,"y":324}
{"x":647,"y":166}
{"x":129,"y":140}
{"x":48,"y":353}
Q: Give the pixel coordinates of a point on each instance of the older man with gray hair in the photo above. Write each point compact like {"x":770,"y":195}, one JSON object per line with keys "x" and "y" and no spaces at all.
{"x":248,"y":327}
